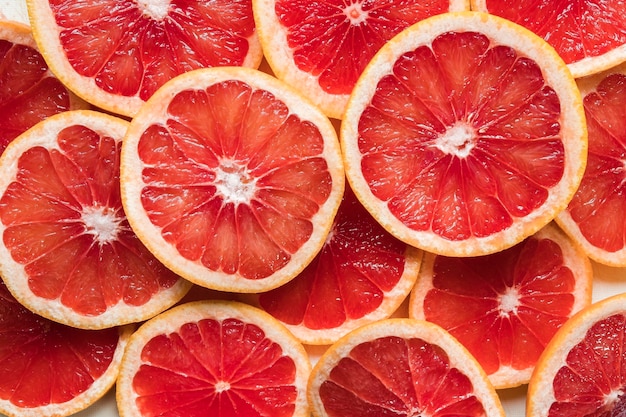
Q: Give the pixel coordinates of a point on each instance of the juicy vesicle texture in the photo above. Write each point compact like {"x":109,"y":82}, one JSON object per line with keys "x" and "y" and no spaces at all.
{"x":593,"y":380}
{"x":130,"y":49}
{"x":517,"y":301}
{"x":462,"y":137}
{"x":42,"y":362}
{"x":335,"y":39}
{"x":392,"y":376}
{"x":215,"y":367}
{"x":65,"y":223}
{"x":599,"y":205}
{"x":28,"y":92}
{"x":236,"y":179}
{"x":357,"y":265}
{"x":577,"y":29}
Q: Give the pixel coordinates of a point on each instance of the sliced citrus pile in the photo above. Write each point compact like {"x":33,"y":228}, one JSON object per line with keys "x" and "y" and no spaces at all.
{"x":595,"y":218}
{"x":217,"y":358}
{"x":67,"y":250}
{"x":361,"y":274}
{"x":49,"y":369}
{"x":322,"y":47}
{"x":400,"y":367}
{"x":231,"y":178}
{"x":589,"y":35}
{"x":505,"y":307}
{"x":465,"y":134}
{"x":581,"y":372}
{"x":115,"y":54}
{"x":28,"y":91}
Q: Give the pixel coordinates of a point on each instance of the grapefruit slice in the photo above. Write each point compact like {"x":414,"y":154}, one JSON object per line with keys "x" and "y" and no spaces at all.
{"x":217,"y":358}
{"x":67,"y":251}
{"x":400,"y":367}
{"x":465,"y":134}
{"x":595,"y":216}
{"x":231,"y":178}
{"x":115,"y":54}
{"x":581,"y":371}
{"x":321,"y":48}
{"x":362,"y":274}
{"x":589,"y":35}
{"x":28,"y":91}
{"x":505,"y":307}
{"x":48,"y":369}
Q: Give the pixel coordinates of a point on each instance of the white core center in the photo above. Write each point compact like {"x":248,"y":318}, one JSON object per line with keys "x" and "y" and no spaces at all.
{"x":101,"y":222}
{"x":235,"y":183}
{"x":509,"y":302}
{"x":355,"y":13}
{"x":458,"y":140}
{"x":154,"y":9}
{"x":222,"y":386}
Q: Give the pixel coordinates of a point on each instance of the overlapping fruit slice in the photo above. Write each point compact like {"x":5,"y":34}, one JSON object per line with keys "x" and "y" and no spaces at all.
{"x":67,"y":250}
{"x":465,"y":134}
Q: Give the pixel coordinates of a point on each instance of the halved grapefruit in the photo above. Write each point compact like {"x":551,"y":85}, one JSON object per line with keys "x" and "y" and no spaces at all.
{"x":213,"y":358}
{"x":115,"y":54}
{"x":505,"y":307}
{"x":231,"y":178}
{"x":465,"y":134}
{"x":67,"y":251}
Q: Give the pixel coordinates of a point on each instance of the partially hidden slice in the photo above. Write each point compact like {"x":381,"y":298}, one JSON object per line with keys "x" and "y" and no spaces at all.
{"x":217,"y":358}
{"x":29,"y":92}
{"x":596,"y":216}
{"x":231,"y":178}
{"x":48,"y":369}
{"x":582,"y":370}
{"x":322,"y":47}
{"x":465,"y":134}
{"x":589,"y":35}
{"x":505,"y":307}
{"x":67,"y":250}
{"x":400,"y":367}
{"x":115,"y":54}
{"x":361,"y":274}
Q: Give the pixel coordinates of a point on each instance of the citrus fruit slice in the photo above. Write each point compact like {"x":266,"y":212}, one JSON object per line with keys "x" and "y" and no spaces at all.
{"x":505,"y":307}
{"x":589,"y":35}
{"x":400,"y":367}
{"x":28,"y":91}
{"x":231,"y":178}
{"x":115,"y":54}
{"x":465,"y":134}
{"x":581,"y":371}
{"x":67,"y":250}
{"x":362,"y":274}
{"x":321,"y":48}
{"x":49,"y":369}
{"x":218,"y":358}
{"x":594,"y":217}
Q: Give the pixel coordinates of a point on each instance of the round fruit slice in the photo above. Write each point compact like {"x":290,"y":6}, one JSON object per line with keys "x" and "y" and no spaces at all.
{"x":595,"y":218}
{"x":400,"y":367}
{"x":28,"y":91}
{"x":589,"y":35}
{"x":115,"y":54}
{"x":231,"y":178}
{"x":67,"y":250}
{"x":217,"y":358}
{"x":505,"y":307}
{"x":321,"y":48}
{"x":465,"y":134}
{"x":581,"y":371}
{"x":49,"y":369}
{"x":362,"y":274}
